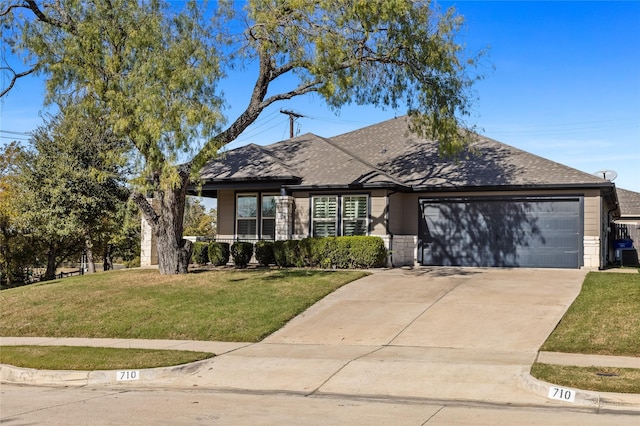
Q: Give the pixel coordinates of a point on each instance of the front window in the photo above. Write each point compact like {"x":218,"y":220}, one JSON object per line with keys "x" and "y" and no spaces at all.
{"x":334,"y":215}
{"x":325,"y":216}
{"x":268,"y":229}
{"x":247,"y":216}
{"x":354,"y":215}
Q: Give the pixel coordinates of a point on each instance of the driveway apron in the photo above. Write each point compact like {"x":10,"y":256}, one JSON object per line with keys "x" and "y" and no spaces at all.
{"x":439,"y":333}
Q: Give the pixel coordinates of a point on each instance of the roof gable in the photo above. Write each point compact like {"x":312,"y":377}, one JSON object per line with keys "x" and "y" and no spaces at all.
{"x":629,"y":202}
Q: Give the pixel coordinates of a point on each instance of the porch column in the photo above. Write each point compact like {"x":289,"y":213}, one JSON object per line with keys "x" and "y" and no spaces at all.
{"x":284,"y":217}
{"x":148,"y":243}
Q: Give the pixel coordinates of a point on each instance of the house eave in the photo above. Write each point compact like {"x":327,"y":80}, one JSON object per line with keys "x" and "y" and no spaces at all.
{"x":349,"y":186}
{"x":482,"y":188}
{"x":210,"y":187}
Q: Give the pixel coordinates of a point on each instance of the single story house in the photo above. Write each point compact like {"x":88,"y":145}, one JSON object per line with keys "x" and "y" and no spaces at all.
{"x":497,"y":206}
{"x":627,"y":227}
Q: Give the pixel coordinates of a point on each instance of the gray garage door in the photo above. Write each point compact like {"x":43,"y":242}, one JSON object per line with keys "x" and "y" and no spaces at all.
{"x":518,"y":232}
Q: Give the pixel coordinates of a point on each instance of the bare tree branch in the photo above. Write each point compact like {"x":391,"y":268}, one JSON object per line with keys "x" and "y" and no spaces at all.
{"x":15,"y":77}
{"x":12,"y":6}
{"x":147,"y":210}
{"x":67,"y":23}
{"x":298,"y":91}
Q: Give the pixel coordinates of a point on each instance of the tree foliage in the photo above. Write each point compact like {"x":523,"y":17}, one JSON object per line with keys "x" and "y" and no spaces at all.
{"x":154,"y":73}
{"x":69,"y":194}
{"x":16,"y":250}
{"x":197,"y":220}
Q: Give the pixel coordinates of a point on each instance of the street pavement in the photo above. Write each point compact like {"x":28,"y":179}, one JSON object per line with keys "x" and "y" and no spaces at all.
{"x":34,"y":405}
{"x":454,"y":335}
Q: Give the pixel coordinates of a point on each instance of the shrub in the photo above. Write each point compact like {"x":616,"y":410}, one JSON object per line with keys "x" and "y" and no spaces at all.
{"x":341,"y":253}
{"x":331,"y":252}
{"x":241,"y":253}
{"x":200,"y":253}
{"x":132,"y":263}
{"x":279,"y":254}
{"x":264,"y":253}
{"x":305,"y":249}
{"x":292,"y":253}
{"x":367,"y":252}
{"x":219,"y":253}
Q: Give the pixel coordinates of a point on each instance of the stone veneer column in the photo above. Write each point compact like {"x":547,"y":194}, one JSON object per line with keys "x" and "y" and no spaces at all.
{"x":404,"y":250}
{"x":284,"y":217}
{"x":591,"y":252}
{"x":148,"y":245}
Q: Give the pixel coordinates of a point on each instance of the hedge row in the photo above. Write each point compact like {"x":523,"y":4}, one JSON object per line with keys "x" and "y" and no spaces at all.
{"x":331,"y":252}
{"x":328,"y":252}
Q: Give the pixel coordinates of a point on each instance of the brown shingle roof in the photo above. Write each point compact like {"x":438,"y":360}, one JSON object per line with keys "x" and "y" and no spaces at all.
{"x":387,"y":154}
{"x":629,"y":202}
{"x":490,"y":163}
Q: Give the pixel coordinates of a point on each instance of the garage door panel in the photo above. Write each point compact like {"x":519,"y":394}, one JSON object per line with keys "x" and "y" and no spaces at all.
{"x":501,"y":232}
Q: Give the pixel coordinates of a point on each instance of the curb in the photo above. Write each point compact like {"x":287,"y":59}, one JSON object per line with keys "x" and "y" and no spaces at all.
{"x":602,"y":401}
{"x":144,"y":376}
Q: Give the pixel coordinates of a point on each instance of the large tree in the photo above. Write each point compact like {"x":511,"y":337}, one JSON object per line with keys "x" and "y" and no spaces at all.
{"x":154,"y":73}
{"x":17,"y":250}
{"x":70,"y":187}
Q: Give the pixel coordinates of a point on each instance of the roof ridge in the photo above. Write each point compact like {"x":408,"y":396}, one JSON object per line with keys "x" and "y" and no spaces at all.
{"x":366,"y":163}
{"x":268,"y":152}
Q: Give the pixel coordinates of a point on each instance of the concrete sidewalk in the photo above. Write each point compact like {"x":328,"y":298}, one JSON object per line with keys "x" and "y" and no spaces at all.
{"x":445,"y":334}
{"x":221,"y":348}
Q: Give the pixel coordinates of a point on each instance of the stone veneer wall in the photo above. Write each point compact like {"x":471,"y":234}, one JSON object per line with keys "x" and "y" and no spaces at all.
{"x":284,"y":217}
{"x":591,"y":252}
{"x":404,"y":250}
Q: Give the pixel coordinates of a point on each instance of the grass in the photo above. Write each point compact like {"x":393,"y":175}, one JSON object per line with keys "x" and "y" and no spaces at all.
{"x":233,"y":306}
{"x":86,"y":359}
{"x":242,"y":306}
{"x":603,"y":320}
{"x":622,"y":380}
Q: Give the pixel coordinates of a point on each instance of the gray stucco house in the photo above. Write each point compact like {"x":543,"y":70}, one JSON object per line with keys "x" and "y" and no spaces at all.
{"x":498,"y":206}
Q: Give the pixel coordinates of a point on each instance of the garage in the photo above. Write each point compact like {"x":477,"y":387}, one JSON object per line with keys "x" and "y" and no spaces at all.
{"x":531,"y":232}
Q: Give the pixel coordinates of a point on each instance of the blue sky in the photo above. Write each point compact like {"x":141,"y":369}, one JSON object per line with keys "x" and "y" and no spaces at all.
{"x":566,"y":86}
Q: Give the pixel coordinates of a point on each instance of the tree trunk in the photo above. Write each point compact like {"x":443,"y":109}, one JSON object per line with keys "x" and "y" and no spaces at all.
{"x":174,"y":252}
{"x":52,"y":265}
{"x":88,"y":245}
{"x":107,"y":263}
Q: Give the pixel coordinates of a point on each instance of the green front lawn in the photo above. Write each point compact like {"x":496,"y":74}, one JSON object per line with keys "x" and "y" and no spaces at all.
{"x":88,"y":359}
{"x":240,"y":306}
{"x":231,"y":306}
{"x":603,"y":320}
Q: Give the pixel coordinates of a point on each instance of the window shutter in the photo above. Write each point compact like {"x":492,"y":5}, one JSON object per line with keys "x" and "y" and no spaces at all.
{"x":325,"y":214}
{"x":354,"y":215}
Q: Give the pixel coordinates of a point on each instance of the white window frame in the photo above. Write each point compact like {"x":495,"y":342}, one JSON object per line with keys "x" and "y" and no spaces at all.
{"x":263,"y":217}
{"x":324,"y":220}
{"x":340,"y":220}
{"x":238,"y":218}
{"x":345,"y":220}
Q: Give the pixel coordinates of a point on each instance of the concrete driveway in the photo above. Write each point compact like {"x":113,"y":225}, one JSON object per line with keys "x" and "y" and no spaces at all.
{"x":462,"y":308}
{"x":440,"y":333}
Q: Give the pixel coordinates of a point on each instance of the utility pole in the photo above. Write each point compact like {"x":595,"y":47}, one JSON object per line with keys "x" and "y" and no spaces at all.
{"x":292,"y":116}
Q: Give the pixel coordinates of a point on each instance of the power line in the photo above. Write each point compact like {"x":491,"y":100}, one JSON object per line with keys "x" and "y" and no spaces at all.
{"x":292,"y":117}
{"x":16,"y":133}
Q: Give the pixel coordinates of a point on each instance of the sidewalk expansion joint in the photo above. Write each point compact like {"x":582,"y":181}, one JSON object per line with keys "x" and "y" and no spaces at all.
{"x":316,"y":390}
